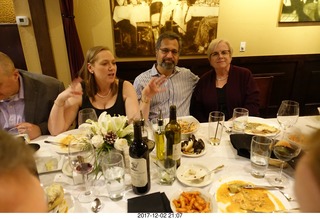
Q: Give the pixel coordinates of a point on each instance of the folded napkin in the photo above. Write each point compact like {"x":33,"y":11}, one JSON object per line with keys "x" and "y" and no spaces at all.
{"x":242,"y":143}
{"x":154,"y":202}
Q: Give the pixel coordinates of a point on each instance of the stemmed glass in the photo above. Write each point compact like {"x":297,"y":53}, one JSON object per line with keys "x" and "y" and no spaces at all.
{"x":82,"y":157}
{"x":284,"y":150}
{"x":288,"y":114}
{"x":87,"y":113}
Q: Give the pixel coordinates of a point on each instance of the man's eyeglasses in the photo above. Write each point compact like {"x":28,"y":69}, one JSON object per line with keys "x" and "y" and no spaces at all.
{"x":222,"y":53}
{"x":166,"y":51}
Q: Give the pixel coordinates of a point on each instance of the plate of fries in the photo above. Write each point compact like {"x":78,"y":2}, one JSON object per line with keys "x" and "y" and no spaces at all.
{"x":192,"y":200}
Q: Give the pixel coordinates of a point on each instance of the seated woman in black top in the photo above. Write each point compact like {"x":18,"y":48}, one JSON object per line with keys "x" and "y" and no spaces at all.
{"x":100,"y":90}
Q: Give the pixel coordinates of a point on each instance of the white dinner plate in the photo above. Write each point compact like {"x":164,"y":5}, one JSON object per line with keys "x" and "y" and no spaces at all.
{"x":203,"y":152}
{"x":204,"y":194}
{"x":60,"y":149}
{"x":224,"y":179}
{"x":188,"y":171}
{"x":66,"y":169}
{"x":262,"y":121}
{"x":315,"y":121}
{"x":49,"y":163}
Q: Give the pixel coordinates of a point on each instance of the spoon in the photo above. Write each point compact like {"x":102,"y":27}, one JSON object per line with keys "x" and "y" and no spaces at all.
{"x":96,"y":205}
{"x":211,"y":171}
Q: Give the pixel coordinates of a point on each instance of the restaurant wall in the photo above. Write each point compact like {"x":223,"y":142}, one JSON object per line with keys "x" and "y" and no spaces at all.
{"x":255,"y":22}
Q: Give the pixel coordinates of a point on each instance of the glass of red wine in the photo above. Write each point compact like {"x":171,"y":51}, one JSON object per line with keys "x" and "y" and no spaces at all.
{"x":284,"y":150}
{"x":82,"y":159}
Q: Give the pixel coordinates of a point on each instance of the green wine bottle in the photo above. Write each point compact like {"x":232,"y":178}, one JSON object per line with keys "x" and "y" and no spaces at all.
{"x":173,"y":137}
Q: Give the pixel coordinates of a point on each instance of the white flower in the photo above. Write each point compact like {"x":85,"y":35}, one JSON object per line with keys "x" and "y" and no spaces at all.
{"x":97,"y":141}
{"x":120,"y":144}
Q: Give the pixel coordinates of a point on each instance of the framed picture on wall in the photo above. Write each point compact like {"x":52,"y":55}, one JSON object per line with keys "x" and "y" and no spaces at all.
{"x":300,"y":11}
{"x":137,"y":25}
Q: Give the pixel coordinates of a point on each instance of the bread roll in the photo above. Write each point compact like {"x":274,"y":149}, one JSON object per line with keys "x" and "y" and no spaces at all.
{"x":55,"y":195}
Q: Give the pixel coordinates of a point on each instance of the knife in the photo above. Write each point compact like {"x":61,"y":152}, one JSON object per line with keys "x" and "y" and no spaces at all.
{"x":262,"y":187}
{"x":56,"y":143}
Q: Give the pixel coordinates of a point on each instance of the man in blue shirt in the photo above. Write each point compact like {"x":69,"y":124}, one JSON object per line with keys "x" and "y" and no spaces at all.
{"x":26,"y":98}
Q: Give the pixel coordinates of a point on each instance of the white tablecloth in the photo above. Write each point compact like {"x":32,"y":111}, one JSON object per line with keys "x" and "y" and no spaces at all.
{"x":216,"y":155}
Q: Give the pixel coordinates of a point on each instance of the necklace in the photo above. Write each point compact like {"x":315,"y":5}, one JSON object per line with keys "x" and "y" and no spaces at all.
{"x":104,"y":96}
{"x":222,"y":79}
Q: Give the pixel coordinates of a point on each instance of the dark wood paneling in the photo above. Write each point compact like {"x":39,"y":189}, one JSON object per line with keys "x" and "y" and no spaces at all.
{"x":296,"y":77}
{"x":41,"y":31}
{"x":10,"y":44}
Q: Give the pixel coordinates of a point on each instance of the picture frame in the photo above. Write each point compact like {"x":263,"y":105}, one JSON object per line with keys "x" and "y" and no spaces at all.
{"x":136,"y":29}
{"x":294,"y":11}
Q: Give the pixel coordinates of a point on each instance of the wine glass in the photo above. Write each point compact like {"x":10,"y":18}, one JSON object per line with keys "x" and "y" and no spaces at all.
{"x":82,"y":158}
{"x":288,"y":114}
{"x":284,"y":150}
{"x":85,"y":114}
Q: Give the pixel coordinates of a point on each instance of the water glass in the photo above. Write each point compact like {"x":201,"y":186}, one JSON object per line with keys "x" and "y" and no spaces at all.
{"x":113,"y":169}
{"x":166,"y":169}
{"x":215,"y":127}
{"x":240,"y":119}
{"x":259,"y":155}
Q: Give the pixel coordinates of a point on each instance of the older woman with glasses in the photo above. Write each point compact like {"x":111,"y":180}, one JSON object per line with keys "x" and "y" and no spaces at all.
{"x":225,"y":86}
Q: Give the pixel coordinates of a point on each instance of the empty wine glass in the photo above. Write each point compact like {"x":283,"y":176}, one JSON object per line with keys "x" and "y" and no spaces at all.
{"x":288,"y":114}
{"x":284,"y":150}
{"x":85,"y":114}
{"x":82,"y":158}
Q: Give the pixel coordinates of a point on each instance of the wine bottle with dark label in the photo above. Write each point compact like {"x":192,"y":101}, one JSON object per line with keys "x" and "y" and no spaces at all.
{"x":173,"y":137}
{"x":139,"y":162}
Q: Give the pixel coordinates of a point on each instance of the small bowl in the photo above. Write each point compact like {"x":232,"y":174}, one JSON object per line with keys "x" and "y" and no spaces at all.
{"x":189,"y":125}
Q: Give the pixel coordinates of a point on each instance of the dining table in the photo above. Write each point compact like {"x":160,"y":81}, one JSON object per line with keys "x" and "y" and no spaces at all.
{"x":235,"y":166}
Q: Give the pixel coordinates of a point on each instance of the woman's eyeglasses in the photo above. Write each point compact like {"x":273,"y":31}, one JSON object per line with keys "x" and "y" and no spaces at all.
{"x":223,"y":53}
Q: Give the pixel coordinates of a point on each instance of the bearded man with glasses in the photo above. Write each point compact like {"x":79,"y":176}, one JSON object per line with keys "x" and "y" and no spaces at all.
{"x":165,"y":83}
{"x":225,"y":86}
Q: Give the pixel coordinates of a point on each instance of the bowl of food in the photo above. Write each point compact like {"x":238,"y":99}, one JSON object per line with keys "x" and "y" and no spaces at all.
{"x":189,"y":125}
{"x":192,"y":200}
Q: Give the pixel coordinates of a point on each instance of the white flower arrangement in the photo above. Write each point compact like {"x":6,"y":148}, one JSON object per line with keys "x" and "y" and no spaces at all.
{"x":108,"y":132}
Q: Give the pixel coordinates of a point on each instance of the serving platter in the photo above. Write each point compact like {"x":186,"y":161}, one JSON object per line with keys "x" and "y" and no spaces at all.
{"x":261,"y":126}
{"x":49,"y":164}
{"x":279,"y":201}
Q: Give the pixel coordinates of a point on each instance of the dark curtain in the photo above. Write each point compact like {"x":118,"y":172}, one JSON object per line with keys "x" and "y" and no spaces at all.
{"x":75,"y":54}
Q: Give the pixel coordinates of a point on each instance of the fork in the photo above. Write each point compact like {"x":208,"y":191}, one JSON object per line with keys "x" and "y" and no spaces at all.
{"x":287,"y":196}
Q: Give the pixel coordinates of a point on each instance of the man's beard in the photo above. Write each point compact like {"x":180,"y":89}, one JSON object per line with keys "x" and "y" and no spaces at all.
{"x":167,"y":65}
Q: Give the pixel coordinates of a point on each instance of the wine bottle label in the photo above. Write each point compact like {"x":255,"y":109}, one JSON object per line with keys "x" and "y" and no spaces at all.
{"x":138,"y":172}
{"x":176,"y":154}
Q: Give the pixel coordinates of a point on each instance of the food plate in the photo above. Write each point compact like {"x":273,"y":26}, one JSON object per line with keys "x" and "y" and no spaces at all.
{"x":66,"y":169}
{"x":203,"y":152}
{"x":64,"y":138}
{"x":186,"y":172}
{"x":277,"y":199}
{"x":260,"y":126}
{"x":70,"y":202}
{"x":203,"y":194}
{"x":49,"y":164}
